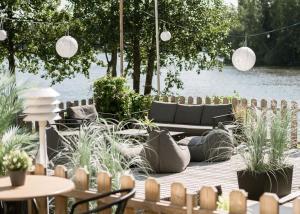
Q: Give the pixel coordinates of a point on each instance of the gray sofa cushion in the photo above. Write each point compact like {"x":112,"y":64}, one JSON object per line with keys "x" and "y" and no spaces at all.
{"x":164,"y":155}
{"x":162,"y":112}
{"x":188,"y":129}
{"x":88,"y":112}
{"x":216,"y":146}
{"x":211,"y":111}
{"x":188,"y":114}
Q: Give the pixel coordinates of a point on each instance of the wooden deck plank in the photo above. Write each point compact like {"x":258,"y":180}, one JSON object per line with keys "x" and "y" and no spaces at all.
{"x":206,"y":174}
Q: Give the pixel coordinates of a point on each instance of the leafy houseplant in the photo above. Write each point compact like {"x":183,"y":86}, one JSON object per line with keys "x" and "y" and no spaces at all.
{"x":16,"y":163}
{"x":264,"y":153}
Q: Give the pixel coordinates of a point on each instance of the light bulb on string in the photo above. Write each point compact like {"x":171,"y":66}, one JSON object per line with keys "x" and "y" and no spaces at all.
{"x":268,"y":36}
{"x":3,"y":33}
{"x":165,"y":35}
{"x":66,"y":46}
{"x":244,"y":58}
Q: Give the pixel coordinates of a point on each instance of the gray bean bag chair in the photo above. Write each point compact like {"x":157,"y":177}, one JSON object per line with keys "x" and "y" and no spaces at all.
{"x":216,"y":146}
{"x":164,"y":155}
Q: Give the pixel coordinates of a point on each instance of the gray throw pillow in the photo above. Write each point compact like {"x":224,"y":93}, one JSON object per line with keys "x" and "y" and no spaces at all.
{"x":210,"y":111}
{"x":162,"y":112}
{"x":216,"y":146}
{"x":164,"y":155}
{"x":188,"y":114}
{"x":88,"y":112}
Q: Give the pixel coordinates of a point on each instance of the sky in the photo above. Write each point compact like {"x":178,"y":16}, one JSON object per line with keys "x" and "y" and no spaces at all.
{"x":234,"y":2}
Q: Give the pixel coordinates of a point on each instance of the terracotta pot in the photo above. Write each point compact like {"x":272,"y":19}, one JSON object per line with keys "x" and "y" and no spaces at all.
{"x":256,"y":184}
{"x":17,"y":178}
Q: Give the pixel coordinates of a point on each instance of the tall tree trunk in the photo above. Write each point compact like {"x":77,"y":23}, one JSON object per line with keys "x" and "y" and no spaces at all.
{"x":10,"y":45}
{"x":112,"y":63}
{"x":150,"y":67}
{"x":136,"y":64}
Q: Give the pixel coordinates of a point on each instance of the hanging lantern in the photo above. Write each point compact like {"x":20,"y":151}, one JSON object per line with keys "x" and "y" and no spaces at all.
{"x":165,"y":36}
{"x":243,"y":59}
{"x":3,"y":35}
{"x":66,"y":46}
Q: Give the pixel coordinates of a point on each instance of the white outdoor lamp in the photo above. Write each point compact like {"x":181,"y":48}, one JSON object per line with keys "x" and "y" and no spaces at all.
{"x":66,"y":46}
{"x":165,"y":35}
{"x":41,"y":106}
{"x":3,"y":33}
{"x":243,"y":59}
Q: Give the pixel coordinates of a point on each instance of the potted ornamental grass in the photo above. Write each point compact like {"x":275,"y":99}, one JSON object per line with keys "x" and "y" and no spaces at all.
{"x":264,"y":151}
{"x":16,"y":163}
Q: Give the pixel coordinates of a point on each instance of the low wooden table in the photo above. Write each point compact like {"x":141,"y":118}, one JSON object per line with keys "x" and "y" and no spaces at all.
{"x":144,"y":133}
{"x":35,"y":186}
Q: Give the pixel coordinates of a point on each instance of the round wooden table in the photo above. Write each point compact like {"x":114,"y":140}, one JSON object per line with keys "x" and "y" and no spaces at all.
{"x":35,"y":186}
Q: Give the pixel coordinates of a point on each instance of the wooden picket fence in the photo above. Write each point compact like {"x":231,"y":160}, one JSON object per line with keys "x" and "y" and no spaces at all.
{"x":205,"y":202}
{"x":262,"y":104}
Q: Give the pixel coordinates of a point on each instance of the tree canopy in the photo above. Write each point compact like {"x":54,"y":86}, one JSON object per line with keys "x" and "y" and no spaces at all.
{"x":279,"y":48}
{"x":33,"y":28}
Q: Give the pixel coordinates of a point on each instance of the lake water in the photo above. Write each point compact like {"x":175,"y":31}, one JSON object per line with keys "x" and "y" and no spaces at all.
{"x":259,"y":83}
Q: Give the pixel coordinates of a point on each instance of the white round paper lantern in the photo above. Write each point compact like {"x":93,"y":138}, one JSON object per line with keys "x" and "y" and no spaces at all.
{"x":66,"y":46}
{"x":243,"y":59}
{"x":3,"y":35}
{"x":165,"y":36}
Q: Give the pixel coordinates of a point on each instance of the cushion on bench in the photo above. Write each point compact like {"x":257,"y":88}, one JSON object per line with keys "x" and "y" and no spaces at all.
{"x":88,"y":112}
{"x":188,"y":114}
{"x":162,"y":112}
{"x":164,"y":155}
{"x":210,"y":111}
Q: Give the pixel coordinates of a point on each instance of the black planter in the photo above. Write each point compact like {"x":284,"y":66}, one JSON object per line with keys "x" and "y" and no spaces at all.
{"x":17,"y":178}
{"x":278,"y":182}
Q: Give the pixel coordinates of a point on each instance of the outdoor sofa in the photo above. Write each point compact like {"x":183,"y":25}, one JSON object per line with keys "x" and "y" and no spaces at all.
{"x":193,"y":120}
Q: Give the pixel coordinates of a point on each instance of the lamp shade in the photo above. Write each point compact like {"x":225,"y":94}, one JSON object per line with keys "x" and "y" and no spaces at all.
{"x":3,"y":35}
{"x":41,"y":104}
{"x":66,"y":46}
{"x":243,"y":59}
{"x":165,"y":36}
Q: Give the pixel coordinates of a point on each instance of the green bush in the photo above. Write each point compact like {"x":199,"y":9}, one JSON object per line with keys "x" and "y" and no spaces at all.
{"x":113,"y":96}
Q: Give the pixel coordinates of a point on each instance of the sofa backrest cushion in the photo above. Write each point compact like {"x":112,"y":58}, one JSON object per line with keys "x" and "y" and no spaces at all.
{"x":188,"y":114}
{"x":88,"y":112}
{"x":162,"y":112}
{"x":211,"y":111}
{"x":164,"y":155}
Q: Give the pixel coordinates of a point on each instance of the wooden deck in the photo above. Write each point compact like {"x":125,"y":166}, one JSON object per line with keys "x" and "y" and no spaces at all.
{"x":200,"y":174}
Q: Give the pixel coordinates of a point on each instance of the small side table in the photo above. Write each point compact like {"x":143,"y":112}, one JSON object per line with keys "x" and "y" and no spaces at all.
{"x":35,"y":186}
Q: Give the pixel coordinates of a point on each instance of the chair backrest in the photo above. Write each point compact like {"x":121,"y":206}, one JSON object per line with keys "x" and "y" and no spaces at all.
{"x":120,"y":202}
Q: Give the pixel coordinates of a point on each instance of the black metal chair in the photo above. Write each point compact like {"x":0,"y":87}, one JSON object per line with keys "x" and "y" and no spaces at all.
{"x":120,"y":202}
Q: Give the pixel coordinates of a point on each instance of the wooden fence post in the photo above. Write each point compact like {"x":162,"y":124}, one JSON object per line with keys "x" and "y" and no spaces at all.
{"x":165,"y":99}
{"x":181,"y":100}
{"x":41,"y":202}
{"x":104,"y":184}
{"x":264,"y":104}
{"x":178,"y":194}
{"x":152,"y":192}
{"x":207,"y":100}
{"x":235,"y":103}
{"x":190,"y":100}
{"x":294,"y":124}
{"x":217,"y":100}
{"x":296,"y":206}
{"x":269,"y":204}
{"x":238,"y":202}
{"x":61,"y":202}
{"x":83,"y":102}
{"x":225,"y":100}
{"x":199,"y":100}
{"x":82,"y":183}
{"x":253,"y":103}
{"x":274,"y":106}
{"x":173,"y":99}
{"x":127,"y":181}
{"x":208,"y":198}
